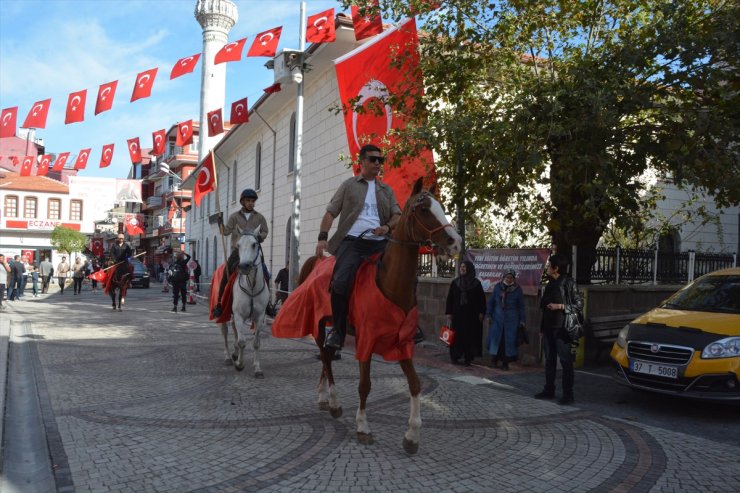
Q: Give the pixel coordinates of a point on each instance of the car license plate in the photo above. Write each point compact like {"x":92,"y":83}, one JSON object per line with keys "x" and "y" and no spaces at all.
{"x":654,"y":369}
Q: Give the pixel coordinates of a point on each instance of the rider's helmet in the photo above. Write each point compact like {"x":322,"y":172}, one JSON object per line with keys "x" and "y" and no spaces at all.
{"x":248,"y":193}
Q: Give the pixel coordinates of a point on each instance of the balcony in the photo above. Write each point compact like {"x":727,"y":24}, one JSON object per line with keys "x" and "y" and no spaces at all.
{"x":154,"y":201}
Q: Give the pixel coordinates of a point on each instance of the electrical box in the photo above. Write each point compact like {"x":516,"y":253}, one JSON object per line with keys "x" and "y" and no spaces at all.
{"x":287,"y":66}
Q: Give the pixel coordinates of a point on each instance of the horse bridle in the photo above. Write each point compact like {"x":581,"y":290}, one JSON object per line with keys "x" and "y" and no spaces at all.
{"x":252,"y":265}
{"x":429,"y":232}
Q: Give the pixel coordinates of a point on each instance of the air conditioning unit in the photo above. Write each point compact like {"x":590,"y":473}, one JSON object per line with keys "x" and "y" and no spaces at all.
{"x":287,"y":66}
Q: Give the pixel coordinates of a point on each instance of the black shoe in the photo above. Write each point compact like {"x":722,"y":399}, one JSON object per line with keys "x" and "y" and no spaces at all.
{"x":545,"y":395}
{"x":217,"y":311}
{"x":174,"y":308}
{"x":183,"y":308}
{"x":333,"y":340}
{"x":566,"y":400}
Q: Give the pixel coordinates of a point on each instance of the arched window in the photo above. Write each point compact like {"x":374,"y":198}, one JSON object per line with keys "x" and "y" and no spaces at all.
{"x":30,"y":208}
{"x":291,"y":146}
{"x":258,"y":166}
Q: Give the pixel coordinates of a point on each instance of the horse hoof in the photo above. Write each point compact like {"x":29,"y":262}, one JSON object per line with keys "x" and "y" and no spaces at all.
{"x":365,"y":438}
{"x":409,"y":446}
{"x":228,"y":362}
{"x":324,"y":406}
{"x":336,"y":412}
{"x":259,"y":374}
{"x":239,"y":367}
{"x":120,"y":309}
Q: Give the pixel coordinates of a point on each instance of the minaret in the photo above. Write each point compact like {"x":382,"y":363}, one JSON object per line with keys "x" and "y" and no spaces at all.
{"x":216,"y":17}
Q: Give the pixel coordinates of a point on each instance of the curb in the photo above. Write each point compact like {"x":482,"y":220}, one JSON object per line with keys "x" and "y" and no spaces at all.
{"x":4,"y":362}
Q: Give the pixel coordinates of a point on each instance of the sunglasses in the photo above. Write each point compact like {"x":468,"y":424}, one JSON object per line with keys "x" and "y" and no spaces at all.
{"x":376,"y":159}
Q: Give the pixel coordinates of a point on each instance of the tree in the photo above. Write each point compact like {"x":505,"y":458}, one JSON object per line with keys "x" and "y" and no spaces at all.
{"x":576,"y":99}
{"x":68,"y":240}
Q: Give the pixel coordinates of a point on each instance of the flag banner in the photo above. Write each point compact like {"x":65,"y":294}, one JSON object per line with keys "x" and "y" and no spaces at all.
{"x":184,"y":133}
{"x":96,"y":247}
{"x":366,"y":78}
{"x":44,"y":162}
{"x":27,"y":166}
{"x":184,"y":66}
{"x":106,"y":93}
{"x":276,"y":87}
{"x":239,"y":113}
{"x":60,"y":162}
{"x":76,"y":107}
{"x":134,"y":224}
{"x":320,"y":27}
{"x":128,"y":191}
{"x":107,"y":155}
{"x":231,"y":52}
{"x":134,"y":150}
{"x":81,"y":161}
{"x":172,"y":214}
{"x":266,"y":43}
{"x":491,"y":265}
{"x":205,"y":182}
{"x":8,"y":118}
{"x":157,"y":143}
{"x":37,"y":115}
{"x":101,"y":275}
{"x":366,"y":19}
{"x":144,"y":84}
{"x":215,"y":123}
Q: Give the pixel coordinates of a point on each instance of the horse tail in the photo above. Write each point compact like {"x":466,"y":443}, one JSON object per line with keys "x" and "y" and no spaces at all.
{"x":308,"y":266}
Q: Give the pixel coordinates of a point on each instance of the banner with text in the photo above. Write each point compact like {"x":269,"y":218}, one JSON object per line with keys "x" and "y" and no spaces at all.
{"x":491,"y":264}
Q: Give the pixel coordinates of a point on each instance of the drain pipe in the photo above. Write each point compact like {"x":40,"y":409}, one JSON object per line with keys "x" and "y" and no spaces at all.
{"x":272,"y":203}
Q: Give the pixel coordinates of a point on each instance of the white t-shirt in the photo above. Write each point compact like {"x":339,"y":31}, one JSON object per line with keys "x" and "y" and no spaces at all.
{"x":3,"y":275}
{"x":369,"y":217}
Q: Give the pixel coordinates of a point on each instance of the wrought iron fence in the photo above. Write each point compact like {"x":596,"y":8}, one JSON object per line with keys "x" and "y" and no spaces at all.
{"x":430,"y":265}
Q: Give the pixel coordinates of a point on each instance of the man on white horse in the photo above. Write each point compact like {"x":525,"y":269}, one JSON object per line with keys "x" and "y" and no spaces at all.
{"x":245,"y":219}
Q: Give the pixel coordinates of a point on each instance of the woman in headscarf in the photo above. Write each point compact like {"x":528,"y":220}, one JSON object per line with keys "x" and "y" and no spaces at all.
{"x":466,"y":305}
{"x":506,"y":312}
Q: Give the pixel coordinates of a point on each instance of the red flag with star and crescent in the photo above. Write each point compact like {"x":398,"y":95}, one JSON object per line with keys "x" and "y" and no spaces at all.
{"x":205,"y":182}
{"x":173,"y":211}
{"x":76,"y":107}
{"x":37,"y":114}
{"x":26,"y":166}
{"x":320,"y":27}
{"x":184,"y":66}
{"x":364,"y":77}
{"x":215,"y":123}
{"x":231,"y":52}
{"x":61,"y":161}
{"x":8,"y":123}
{"x":44,"y":162}
{"x":366,"y":20}
{"x":106,"y":93}
{"x":266,"y":43}
{"x":184,"y":133}
{"x":96,"y":247}
{"x":134,"y":150}
{"x":158,"y":143}
{"x":107,"y":155}
{"x":143,"y":85}
{"x":134,"y":224}
{"x":239,"y":113}
{"x":81,"y":161}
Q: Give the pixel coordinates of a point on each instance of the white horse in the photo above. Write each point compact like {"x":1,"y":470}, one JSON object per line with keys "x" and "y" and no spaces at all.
{"x":250,"y":298}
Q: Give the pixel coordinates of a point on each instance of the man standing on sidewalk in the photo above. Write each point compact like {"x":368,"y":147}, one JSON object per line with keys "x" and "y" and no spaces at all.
{"x":62,"y":270}
{"x":4,"y":271}
{"x":16,"y":278}
{"x":46,"y":270}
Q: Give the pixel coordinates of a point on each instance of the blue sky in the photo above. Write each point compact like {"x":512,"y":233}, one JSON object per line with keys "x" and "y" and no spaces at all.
{"x":50,"y":48}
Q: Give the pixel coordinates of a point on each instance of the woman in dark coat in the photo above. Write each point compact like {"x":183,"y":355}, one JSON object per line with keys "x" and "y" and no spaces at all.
{"x":505,"y":313}
{"x":466,"y":305}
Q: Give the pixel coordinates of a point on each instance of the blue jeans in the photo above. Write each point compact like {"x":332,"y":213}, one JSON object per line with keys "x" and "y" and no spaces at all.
{"x":558,"y":348}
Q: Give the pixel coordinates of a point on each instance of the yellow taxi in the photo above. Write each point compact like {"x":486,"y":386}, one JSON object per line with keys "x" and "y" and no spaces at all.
{"x":690,"y":345}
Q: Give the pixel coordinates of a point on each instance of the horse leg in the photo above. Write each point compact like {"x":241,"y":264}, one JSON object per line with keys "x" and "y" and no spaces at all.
{"x":326,"y":381}
{"x":120,"y":299}
{"x":413,"y":434}
{"x":240,"y":344}
{"x":113,"y":297}
{"x":363,"y":428}
{"x":225,"y":333}
{"x":323,"y":390}
{"x":256,"y":346}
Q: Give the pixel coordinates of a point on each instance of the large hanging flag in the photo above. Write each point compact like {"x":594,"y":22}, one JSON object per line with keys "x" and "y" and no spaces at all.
{"x":8,"y":118}
{"x":44,"y":162}
{"x":172,"y":214}
{"x":320,"y":27}
{"x":37,"y":115}
{"x":107,"y":155}
{"x":96,"y":247}
{"x":81,"y":162}
{"x":184,"y":66}
{"x":239,"y":113}
{"x":134,"y":150}
{"x":106,"y":93}
{"x":366,"y":19}
{"x":60,"y":162}
{"x":215,"y":123}
{"x":144,"y":84}
{"x":231,"y":52}
{"x":266,"y":43}
{"x":205,"y":182}
{"x":157,"y":143}
{"x":76,"y":107}
{"x":365,"y":77}
{"x":184,"y":133}
{"x":134,"y":224}
{"x":26,"y":166}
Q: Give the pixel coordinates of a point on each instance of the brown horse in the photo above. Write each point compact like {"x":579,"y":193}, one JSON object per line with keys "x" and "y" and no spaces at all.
{"x":118,"y":282}
{"x":385,"y":319}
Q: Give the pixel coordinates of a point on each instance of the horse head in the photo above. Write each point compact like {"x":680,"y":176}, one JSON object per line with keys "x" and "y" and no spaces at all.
{"x":250,"y":252}
{"x":425,"y":221}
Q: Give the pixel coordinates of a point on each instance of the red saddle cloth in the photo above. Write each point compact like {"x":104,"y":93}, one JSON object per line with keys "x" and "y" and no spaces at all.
{"x":381,"y":327}
{"x":226,"y":298}
{"x":109,"y":276}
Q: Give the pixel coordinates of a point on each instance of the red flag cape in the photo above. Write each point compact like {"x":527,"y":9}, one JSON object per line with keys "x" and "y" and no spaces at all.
{"x":76,"y":107}
{"x":368,"y":21}
{"x":320,"y":27}
{"x":143,"y":85}
{"x":205,"y":182}
{"x":225,"y":297}
{"x":8,"y":123}
{"x":37,"y":114}
{"x":100,"y":276}
{"x":184,"y":66}
{"x":106,"y":93}
{"x":266,"y":43}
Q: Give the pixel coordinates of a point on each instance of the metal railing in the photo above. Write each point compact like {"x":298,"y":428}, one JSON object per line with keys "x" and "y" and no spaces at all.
{"x":430,"y":265}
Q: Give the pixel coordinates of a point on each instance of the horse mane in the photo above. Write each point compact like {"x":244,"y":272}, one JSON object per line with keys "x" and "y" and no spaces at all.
{"x":306,"y":269}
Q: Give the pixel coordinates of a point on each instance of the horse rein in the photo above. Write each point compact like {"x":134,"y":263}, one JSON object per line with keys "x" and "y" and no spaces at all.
{"x":429,"y":232}
{"x":252,"y":266}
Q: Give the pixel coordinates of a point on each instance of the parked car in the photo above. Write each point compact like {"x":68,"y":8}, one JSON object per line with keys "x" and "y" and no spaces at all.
{"x":690,"y":345}
{"x":141,"y":275}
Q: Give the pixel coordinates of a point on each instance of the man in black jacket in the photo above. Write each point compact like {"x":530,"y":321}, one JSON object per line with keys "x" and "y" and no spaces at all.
{"x":179,"y":278}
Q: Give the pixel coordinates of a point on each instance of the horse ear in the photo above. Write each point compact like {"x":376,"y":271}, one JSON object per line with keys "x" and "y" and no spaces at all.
{"x":433,"y":189}
{"x":417,"y":186}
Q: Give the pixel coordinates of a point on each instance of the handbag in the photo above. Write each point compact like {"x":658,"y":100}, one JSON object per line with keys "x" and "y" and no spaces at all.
{"x":447,"y":335}
{"x":573,"y":320}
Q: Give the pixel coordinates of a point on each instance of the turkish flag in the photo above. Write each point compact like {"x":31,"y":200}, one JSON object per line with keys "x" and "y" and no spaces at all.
{"x":37,"y":115}
{"x":44,"y":163}
{"x":231,"y":52}
{"x":276,"y":87}
{"x":215,"y":123}
{"x":60,"y":162}
{"x":143,"y":84}
{"x":366,"y":20}
{"x":101,"y":275}
{"x":134,"y":224}
{"x":134,"y":150}
{"x":173,"y":211}
{"x":106,"y":156}
{"x":26,"y":166}
{"x":205,"y":182}
{"x":184,"y":66}
{"x":76,"y":107}
{"x":8,"y":119}
{"x":239,"y":113}
{"x":106,"y":93}
{"x":365,"y":76}
{"x":266,"y":43}
{"x":157,"y":143}
{"x":96,"y":247}
{"x":184,"y":133}
{"x":320,"y":27}
{"x":81,"y":161}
